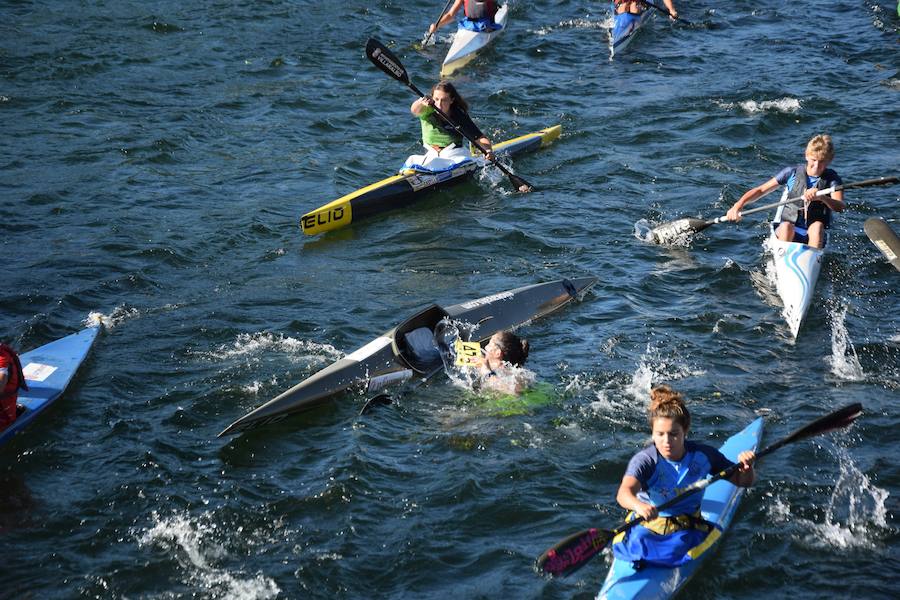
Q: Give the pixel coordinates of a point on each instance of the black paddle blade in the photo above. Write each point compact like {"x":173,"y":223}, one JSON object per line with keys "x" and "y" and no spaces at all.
{"x":574,"y":552}
{"x":520,"y":184}
{"x":673,"y":231}
{"x":379,"y":400}
{"x":884,"y":239}
{"x":385,"y":60}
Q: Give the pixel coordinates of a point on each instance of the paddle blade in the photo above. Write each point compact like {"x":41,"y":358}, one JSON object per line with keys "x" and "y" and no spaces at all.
{"x":574,"y":552}
{"x":385,"y":60}
{"x":836,"y":420}
{"x":674,"y":231}
{"x":520,"y":184}
{"x":379,"y":400}
{"x":884,"y":239}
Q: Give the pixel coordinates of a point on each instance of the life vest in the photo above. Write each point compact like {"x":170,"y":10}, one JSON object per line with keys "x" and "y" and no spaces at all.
{"x":480,"y":9}
{"x":16,"y":379}
{"x":790,"y":212}
{"x":665,"y":541}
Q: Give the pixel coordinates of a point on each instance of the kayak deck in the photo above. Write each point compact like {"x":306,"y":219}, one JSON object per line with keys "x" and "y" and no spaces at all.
{"x":407,"y":187}
{"x":48,"y":370}
{"x":625,"y":27}
{"x":719,"y":503}
{"x":466,"y":44}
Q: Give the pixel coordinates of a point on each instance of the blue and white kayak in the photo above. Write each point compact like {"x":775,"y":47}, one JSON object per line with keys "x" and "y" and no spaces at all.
{"x":795,"y":270}
{"x":467,"y":43}
{"x":719,"y":503}
{"x":625,"y":27}
{"x":48,"y":370}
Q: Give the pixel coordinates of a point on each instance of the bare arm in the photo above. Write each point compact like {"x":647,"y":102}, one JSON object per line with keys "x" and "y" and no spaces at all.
{"x":671,"y":6}
{"x":448,"y":17}
{"x":627,"y":498}
{"x":746,"y":475}
{"x":835,"y":201}
{"x":749,"y":196}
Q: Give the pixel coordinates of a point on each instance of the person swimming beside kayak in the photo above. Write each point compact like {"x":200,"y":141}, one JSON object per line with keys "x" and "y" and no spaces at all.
{"x":12,"y":379}
{"x":499,"y":369}
{"x":657,"y":473}
{"x":441,"y":140}
{"x":806,"y":225}
{"x":636,"y":7}
{"x":479,"y":16}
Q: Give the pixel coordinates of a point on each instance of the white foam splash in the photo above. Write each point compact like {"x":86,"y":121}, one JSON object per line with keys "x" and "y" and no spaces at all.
{"x":844,"y":365}
{"x":193,"y":543}
{"x":119,"y":315}
{"x":254,"y":343}
{"x":782,"y":105}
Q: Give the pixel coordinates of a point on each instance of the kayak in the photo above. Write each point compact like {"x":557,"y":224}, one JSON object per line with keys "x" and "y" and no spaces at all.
{"x":795,"y":270}
{"x":467,"y":43}
{"x":411,"y":185}
{"x":624,"y":29}
{"x":718,"y":505}
{"x":408,"y":350}
{"x":48,"y":370}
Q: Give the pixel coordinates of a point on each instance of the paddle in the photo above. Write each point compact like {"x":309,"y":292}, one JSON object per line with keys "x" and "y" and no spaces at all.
{"x":666,"y":11}
{"x":385,"y":60}
{"x":575,"y":551}
{"x":884,"y":239}
{"x":440,"y":16}
{"x":668,"y":232}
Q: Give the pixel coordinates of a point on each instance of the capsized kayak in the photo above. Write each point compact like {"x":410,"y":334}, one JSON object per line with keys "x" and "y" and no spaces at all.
{"x":795,"y":269}
{"x":410,"y":185}
{"x":48,"y":370}
{"x":408,"y":350}
{"x":719,"y":503}
{"x":625,"y":27}
{"x":467,"y":43}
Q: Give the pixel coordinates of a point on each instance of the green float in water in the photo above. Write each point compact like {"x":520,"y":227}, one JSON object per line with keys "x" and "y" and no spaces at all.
{"x":509,"y":405}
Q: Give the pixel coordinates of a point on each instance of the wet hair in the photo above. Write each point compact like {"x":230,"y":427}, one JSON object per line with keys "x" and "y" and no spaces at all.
{"x":513,"y":348}
{"x":821,"y":147}
{"x":447,"y":87}
{"x":667,"y":403}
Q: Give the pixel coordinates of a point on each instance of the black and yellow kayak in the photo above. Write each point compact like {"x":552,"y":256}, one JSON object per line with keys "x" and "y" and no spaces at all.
{"x":409,"y":185}
{"x":410,"y":350}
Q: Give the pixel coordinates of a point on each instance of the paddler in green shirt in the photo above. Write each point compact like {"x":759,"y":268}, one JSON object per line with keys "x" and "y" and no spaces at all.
{"x":441,"y":140}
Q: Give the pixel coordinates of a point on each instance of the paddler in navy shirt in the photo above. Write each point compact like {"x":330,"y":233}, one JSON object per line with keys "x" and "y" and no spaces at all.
{"x":479,"y":16}
{"x":657,"y":474}
{"x":806,"y":224}
{"x":440,"y":138}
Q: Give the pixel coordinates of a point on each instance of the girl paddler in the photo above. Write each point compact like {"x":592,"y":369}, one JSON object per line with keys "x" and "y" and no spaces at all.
{"x":657,"y":473}
{"x":440,"y":138}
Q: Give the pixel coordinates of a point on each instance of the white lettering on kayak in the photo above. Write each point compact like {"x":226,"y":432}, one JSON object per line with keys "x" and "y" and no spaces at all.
{"x":488,"y":300}
{"x":37,"y":371}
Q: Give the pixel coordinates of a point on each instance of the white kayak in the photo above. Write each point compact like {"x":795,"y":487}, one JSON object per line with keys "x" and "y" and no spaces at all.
{"x":795,"y":269}
{"x":467,"y":43}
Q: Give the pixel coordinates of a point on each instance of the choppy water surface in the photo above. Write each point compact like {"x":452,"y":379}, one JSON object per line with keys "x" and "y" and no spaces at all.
{"x":156,"y":158}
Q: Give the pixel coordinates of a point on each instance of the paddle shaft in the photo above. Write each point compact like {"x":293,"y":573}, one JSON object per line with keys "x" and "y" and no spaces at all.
{"x":825,"y":192}
{"x":385,"y":60}
{"x":436,"y":23}
{"x":665,"y":11}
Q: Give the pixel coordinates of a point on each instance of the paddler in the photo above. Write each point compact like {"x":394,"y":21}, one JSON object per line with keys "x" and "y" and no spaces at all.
{"x":806,"y":224}
{"x":499,"y":369}
{"x":658,"y":473}
{"x":11,"y":381}
{"x":636,"y":7}
{"x":479,"y":16}
{"x":439,"y":137}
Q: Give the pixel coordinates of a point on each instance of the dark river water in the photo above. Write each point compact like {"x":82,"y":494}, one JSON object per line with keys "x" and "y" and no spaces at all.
{"x":155,"y":158}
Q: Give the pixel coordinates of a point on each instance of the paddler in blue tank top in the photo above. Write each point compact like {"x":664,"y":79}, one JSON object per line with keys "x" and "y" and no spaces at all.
{"x":439,"y":138}
{"x":657,"y":473}
{"x":805,"y":224}
{"x":479,"y":16}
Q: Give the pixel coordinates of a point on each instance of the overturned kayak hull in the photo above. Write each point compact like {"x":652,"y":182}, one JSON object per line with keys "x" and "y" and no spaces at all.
{"x":625,"y":27}
{"x":719,"y":503}
{"x":48,"y":370}
{"x":410,"y":186}
{"x":466,"y":44}
{"x":390,"y":359}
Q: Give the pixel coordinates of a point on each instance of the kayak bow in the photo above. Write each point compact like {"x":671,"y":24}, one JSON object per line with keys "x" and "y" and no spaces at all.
{"x":409,"y":186}
{"x":408,"y":350}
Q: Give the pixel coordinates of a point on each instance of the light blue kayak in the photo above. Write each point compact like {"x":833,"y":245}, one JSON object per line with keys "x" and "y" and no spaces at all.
{"x":48,"y":370}
{"x":625,"y":27}
{"x":719,"y":503}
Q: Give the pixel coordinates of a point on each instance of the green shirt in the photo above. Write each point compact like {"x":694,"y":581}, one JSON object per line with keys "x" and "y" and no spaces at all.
{"x":437,"y":132}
